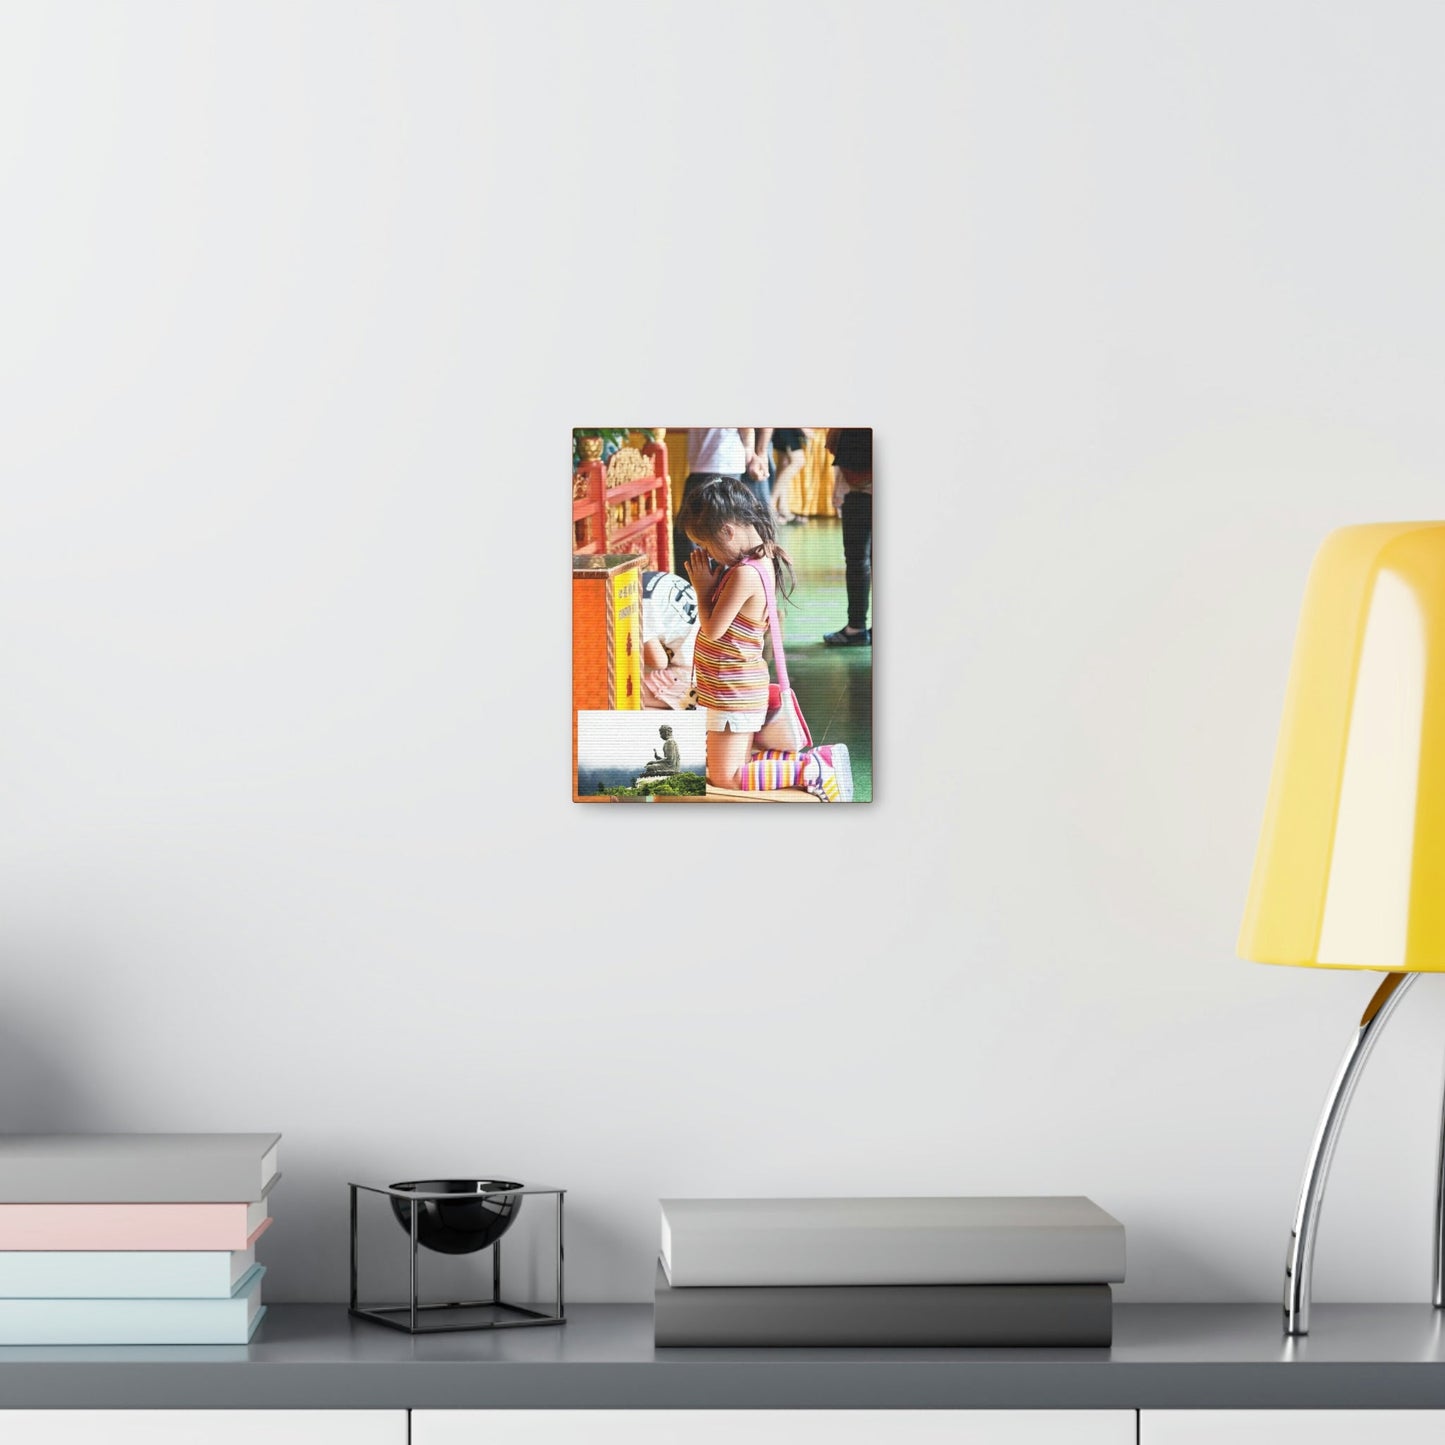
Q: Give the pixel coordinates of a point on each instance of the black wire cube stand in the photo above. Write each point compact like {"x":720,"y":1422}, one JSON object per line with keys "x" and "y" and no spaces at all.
{"x":409,"y":1205}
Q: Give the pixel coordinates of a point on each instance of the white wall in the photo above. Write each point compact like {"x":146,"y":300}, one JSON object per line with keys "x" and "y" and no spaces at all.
{"x":296,"y":305}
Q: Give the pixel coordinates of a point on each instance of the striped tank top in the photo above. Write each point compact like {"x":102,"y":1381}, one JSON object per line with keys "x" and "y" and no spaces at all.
{"x":731,"y":673}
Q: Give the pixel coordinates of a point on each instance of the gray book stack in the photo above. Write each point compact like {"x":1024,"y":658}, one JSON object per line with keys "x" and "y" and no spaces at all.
{"x":887,"y":1272}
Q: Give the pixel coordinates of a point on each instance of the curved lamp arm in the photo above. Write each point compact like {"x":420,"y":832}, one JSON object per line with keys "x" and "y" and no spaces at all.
{"x":1299,"y":1266}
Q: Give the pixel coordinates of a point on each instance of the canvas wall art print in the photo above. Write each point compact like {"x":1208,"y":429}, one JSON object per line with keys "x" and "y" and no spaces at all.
{"x":722,"y":614}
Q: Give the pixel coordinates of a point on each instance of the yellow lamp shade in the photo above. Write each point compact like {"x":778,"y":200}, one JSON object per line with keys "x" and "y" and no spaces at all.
{"x":1350,"y":871}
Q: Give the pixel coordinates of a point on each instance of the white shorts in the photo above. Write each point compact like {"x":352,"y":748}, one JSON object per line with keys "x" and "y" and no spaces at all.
{"x":734,"y":722}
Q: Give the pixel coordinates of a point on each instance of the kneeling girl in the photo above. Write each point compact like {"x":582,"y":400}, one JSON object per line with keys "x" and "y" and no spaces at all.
{"x":737,"y":571}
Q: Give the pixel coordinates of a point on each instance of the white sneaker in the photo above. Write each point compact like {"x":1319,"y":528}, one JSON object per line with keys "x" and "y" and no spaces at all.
{"x":829,"y":773}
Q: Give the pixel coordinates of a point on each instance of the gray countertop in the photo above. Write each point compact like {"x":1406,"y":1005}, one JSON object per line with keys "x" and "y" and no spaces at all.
{"x":1164,"y":1357}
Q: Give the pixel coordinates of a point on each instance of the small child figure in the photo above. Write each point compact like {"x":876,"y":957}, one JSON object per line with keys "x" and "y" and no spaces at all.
{"x":736,"y":571}
{"x":669,"y":633}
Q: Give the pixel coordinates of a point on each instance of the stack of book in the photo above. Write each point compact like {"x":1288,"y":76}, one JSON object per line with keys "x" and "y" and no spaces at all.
{"x":132,"y":1239}
{"x":883,"y":1272}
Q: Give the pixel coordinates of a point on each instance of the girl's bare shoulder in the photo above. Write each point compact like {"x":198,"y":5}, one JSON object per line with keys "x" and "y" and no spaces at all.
{"x":741,"y":582}
{"x":750,"y":593}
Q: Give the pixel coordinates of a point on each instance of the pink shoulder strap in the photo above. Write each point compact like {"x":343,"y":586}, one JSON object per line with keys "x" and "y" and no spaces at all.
{"x":780,"y":662}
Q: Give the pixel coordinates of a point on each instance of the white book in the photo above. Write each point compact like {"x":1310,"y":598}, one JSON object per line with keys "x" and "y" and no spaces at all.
{"x":123,"y":1274}
{"x":137,"y":1168}
{"x":1063,"y":1239}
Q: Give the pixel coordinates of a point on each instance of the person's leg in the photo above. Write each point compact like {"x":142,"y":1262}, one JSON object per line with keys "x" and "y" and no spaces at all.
{"x":727,"y":752}
{"x":857,"y":514}
{"x":858,"y":556}
{"x":782,"y":485}
{"x":825,"y":771}
{"x":770,"y":769}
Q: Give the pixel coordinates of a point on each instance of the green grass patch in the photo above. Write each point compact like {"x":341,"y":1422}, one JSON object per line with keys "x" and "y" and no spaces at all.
{"x":679,"y":785}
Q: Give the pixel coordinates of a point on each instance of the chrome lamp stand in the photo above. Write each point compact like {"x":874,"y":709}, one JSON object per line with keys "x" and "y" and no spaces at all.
{"x":1299,"y":1264}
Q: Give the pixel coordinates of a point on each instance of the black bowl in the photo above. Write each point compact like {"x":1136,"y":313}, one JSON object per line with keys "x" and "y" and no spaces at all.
{"x":458,"y":1226}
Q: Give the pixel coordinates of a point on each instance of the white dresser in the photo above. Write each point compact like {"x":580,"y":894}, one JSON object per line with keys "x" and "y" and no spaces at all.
{"x":773,"y":1427}
{"x":203,"y":1427}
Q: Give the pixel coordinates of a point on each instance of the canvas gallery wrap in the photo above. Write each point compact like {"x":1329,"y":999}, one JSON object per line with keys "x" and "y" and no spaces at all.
{"x":722,"y":614}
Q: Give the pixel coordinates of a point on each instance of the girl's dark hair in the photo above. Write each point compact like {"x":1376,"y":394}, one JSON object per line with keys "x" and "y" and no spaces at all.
{"x":718,"y":502}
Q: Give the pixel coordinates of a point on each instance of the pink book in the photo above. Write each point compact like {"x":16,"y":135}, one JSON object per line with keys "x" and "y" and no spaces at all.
{"x":132,"y":1226}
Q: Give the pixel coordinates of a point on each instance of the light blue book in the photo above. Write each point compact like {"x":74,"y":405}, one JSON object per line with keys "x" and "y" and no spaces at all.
{"x":123,"y":1274}
{"x":229,"y":1321}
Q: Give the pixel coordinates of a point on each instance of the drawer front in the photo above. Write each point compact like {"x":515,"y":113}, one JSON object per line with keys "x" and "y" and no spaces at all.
{"x":1291,"y":1427}
{"x":773,"y":1427}
{"x":202,"y":1427}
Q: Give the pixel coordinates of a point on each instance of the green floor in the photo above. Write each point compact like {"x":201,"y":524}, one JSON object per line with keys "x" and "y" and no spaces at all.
{"x":834,"y":684}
